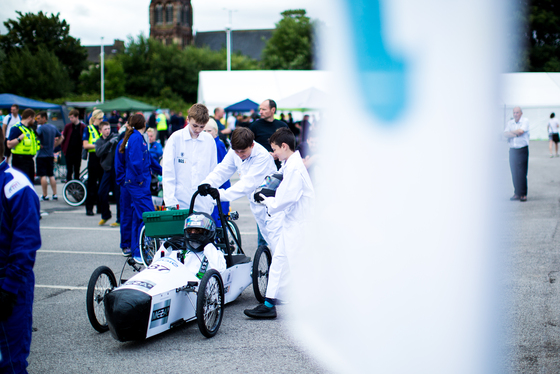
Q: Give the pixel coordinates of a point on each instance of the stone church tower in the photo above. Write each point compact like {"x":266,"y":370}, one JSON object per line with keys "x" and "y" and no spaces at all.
{"x":171,"y":22}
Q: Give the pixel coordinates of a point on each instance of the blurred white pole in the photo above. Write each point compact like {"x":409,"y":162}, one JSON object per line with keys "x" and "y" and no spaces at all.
{"x":102,"y":58}
{"x":228,"y":43}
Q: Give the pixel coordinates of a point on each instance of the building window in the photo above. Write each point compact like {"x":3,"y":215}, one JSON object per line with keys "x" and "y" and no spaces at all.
{"x":169,"y":13}
{"x":159,"y":14}
{"x":184,"y":15}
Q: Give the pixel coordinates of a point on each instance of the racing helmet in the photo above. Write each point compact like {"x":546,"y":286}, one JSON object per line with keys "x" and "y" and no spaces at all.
{"x":200,"y":229}
{"x":268,"y":187}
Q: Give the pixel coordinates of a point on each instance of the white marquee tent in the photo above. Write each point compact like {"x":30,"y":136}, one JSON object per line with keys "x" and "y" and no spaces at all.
{"x":538,"y":95}
{"x":223,"y":88}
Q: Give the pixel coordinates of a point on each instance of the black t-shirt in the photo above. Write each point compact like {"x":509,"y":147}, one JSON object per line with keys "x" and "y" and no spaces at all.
{"x":75,"y":142}
{"x":264,"y":129}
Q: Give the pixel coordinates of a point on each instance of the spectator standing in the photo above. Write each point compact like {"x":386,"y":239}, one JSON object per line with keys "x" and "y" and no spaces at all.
{"x":49,"y":137}
{"x":95,"y":172}
{"x":152,"y":124}
{"x":265,"y":126}
{"x":162,"y":129}
{"x":20,"y":238}
{"x":72,"y":145}
{"x":24,"y":144}
{"x":553,"y":127}
{"x":155,"y":148}
{"x":1,"y":116}
{"x":105,"y":148}
{"x":9,"y":121}
{"x":181,"y":120}
{"x":174,"y":121}
{"x":517,"y":132}
{"x":114,"y":121}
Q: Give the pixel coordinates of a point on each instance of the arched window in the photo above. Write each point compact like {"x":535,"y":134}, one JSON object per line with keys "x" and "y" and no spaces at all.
{"x":185,"y":15}
{"x":159,"y":14}
{"x":169,"y":13}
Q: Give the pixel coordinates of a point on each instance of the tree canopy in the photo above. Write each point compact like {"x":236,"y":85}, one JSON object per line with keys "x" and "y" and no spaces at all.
{"x":33,"y":31}
{"x":291,"y":44}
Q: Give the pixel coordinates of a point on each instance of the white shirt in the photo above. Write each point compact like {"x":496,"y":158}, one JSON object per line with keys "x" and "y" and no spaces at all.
{"x":10,"y":120}
{"x":216,"y":259}
{"x":521,"y":140}
{"x":231,"y":122}
{"x":186,"y":162}
{"x":553,"y":126}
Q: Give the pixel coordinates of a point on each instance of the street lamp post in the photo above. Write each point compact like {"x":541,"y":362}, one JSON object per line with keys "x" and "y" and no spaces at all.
{"x":102,"y":58}
{"x":228,"y":44}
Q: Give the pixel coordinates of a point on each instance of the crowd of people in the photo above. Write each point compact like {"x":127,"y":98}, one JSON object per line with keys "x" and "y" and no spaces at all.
{"x":197,"y":154}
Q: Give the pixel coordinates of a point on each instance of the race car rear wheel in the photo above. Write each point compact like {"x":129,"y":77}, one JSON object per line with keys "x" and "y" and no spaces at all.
{"x":74,"y":193}
{"x":235,"y":249}
{"x":148,"y":247}
{"x":102,"y":282}
{"x":210,"y":303}
{"x":261,"y":267}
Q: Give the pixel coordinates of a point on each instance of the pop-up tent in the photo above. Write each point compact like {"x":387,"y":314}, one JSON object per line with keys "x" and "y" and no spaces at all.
{"x":242,"y":106}
{"x":124,"y":104}
{"x":306,"y":100}
{"x":538,"y":95}
{"x":7,"y":100}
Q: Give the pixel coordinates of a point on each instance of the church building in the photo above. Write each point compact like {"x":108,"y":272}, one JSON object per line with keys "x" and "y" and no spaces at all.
{"x":171,"y":22}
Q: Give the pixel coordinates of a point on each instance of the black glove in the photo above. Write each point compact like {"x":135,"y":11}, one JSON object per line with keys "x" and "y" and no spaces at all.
{"x":7,"y":303}
{"x":203,"y":189}
{"x":214,"y":193}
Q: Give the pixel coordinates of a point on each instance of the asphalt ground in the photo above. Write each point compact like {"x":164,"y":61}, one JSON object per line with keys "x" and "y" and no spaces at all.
{"x":531,"y":242}
{"x":74,"y":245}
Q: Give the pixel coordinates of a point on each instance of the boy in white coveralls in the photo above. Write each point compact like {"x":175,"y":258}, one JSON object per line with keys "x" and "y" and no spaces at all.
{"x":293,"y":202}
{"x":253,"y":163}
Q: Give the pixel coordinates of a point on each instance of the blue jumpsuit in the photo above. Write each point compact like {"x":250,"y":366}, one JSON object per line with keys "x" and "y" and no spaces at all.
{"x":125,"y":201}
{"x":138,"y":163}
{"x":221,"y":148}
{"x":19,"y":241}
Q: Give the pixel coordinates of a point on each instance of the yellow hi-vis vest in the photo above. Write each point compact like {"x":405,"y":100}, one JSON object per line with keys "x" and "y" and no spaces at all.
{"x":93,"y":136}
{"x":162,"y":122}
{"x":29,"y":144}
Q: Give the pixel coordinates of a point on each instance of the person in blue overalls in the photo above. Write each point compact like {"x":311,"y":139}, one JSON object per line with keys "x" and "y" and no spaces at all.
{"x":137,"y":162}
{"x":20,"y":239}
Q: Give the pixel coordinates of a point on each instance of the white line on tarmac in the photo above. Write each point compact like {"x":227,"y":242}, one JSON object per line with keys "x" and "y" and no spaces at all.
{"x":80,"y":253}
{"x":61,"y":287}
{"x":69,"y":211}
{"x":115,"y":229}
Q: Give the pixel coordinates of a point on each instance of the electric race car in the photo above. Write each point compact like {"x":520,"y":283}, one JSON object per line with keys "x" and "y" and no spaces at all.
{"x":165,"y":293}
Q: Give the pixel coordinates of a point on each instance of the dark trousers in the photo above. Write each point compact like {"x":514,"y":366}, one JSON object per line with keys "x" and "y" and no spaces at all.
{"x":73,"y":166}
{"x":95,"y":173}
{"x":108,"y":184}
{"x":25,"y":164}
{"x":519,"y":163}
{"x":162,"y":135}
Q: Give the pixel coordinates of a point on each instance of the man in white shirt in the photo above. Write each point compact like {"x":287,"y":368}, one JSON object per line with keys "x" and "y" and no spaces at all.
{"x":9,"y":121}
{"x":189,"y":156}
{"x":517,"y":132}
{"x":253,"y":163}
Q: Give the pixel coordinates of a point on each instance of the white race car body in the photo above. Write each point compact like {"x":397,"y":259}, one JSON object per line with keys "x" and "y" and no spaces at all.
{"x":163,"y":296}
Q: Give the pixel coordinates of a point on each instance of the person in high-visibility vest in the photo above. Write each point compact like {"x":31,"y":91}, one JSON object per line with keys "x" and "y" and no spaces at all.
{"x":95,"y":172}
{"x":161,"y":121}
{"x":24,"y":144}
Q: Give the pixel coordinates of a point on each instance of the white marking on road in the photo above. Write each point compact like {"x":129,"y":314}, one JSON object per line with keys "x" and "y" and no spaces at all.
{"x":69,"y":211}
{"x":248,"y":233}
{"x":61,"y":287}
{"x":79,"y":252}
{"x":115,"y":229}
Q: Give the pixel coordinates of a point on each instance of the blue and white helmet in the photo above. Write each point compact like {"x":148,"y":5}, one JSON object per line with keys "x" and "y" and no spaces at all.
{"x":268,"y":187}
{"x":198,"y":239}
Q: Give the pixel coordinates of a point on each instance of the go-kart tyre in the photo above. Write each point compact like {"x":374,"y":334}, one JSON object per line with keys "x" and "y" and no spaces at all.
{"x":102,"y":282}
{"x":148,"y":247}
{"x":233,"y":226}
{"x":261,"y":268}
{"x":210,"y":303}
{"x":74,"y":192}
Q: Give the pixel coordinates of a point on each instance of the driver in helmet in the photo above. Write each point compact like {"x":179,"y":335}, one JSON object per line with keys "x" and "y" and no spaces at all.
{"x":201,"y":253}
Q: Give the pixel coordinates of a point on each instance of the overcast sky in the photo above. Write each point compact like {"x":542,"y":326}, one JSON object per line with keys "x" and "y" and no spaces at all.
{"x":89,"y":20}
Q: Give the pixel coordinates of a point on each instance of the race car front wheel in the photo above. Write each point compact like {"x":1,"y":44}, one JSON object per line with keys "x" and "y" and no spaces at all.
{"x":148,"y":247}
{"x":102,"y":282}
{"x":237,"y":235}
{"x":261,"y":267}
{"x":210,"y":303}
{"x":74,"y":193}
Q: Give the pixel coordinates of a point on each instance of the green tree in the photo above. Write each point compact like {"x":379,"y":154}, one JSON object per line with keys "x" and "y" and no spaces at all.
{"x":39,"y":75}
{"x":544,"y":35}
{"x":291,"y":44}
{"x":32,"y":31}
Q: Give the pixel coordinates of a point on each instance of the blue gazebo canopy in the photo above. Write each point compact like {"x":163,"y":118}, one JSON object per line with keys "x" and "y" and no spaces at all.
{"x":7,"y":100}
{"x":242,"y":106}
